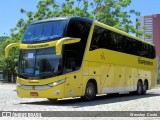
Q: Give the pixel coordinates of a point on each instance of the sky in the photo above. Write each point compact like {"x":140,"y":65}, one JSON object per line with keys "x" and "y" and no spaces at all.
{"x":10,"y":11}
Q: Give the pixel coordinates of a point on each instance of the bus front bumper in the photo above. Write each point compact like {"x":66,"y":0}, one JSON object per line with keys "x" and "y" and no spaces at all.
{"x":41,"y":91}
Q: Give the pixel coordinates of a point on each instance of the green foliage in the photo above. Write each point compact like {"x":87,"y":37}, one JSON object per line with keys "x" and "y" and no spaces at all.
{"x":111,"y":12}
{"x":9,"y":65}
{"x":148,"y":35}
{"x":3,"y":38}
{"x":138,"y":23}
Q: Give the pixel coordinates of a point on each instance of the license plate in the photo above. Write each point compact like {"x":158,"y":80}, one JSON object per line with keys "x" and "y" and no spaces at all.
{"x":33,"y":94}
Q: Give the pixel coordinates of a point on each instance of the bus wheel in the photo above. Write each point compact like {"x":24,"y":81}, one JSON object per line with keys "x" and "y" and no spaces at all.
{"x":90,"y":92}
{"x":145,"y":86}
{"x":52,"y":100}
{"x":139,"y":88}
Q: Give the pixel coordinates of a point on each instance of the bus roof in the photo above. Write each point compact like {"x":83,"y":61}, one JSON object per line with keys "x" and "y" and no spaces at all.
{"x":68,"y":18}
{"x":65,"y":18}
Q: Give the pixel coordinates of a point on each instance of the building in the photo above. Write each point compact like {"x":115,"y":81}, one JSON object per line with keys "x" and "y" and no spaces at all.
{"x":151,"y":25}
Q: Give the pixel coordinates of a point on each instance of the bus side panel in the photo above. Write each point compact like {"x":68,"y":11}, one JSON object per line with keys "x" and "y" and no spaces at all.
{"x":73,"y":84}
{"x":94,"y":71}
{"x":136,"y":77}
{"x":85,"y":76}
{"x":94,"y":68}
{"x":107,"y":78}
{"x":130,"y":78}
{"x":153,"y":79}
{"x":120,"y":81}
{"x":91,"y":70}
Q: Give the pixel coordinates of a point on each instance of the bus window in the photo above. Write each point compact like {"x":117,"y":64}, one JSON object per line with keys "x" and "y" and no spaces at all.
{"x":78,"y":29}
{"x":44,"y":32}
{"x":70,"y":61}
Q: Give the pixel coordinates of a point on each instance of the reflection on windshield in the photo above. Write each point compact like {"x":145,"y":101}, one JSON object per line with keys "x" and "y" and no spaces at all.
{"x":44,"y":31}
{"x":39,"y":63}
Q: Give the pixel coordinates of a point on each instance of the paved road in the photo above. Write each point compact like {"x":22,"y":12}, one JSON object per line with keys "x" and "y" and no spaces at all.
{"x":149,"y":102}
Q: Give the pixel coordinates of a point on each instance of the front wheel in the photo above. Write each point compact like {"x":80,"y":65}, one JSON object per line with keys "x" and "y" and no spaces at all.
{"x":90,"y":92}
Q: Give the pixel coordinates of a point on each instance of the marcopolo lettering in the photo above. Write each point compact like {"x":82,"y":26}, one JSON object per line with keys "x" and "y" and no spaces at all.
{"x":37,"y":46}
{"x":144,"y":62}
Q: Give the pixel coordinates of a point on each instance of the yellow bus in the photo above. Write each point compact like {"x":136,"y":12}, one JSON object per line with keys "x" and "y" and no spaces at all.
{"x":78,"y":57}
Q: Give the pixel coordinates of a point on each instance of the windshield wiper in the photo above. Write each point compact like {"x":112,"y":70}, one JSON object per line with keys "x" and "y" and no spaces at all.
{"x":25,"y":75}
{"x":46,"y":74}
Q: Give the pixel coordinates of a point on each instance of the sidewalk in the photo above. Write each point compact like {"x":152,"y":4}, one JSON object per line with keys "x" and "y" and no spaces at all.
{"x":5,"y":82}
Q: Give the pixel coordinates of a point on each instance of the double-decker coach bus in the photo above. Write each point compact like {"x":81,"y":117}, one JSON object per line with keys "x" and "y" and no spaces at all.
{"x":79,"y":57}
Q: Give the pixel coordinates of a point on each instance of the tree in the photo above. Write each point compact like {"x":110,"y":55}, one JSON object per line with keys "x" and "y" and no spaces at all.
{"x":111,"y":12}
{"x":149,"y":35}
{"x":9,"y":65}
{"x":2,"y":39}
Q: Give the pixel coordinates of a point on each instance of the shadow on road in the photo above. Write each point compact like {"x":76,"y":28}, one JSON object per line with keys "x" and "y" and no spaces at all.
{"x":99,"y":100}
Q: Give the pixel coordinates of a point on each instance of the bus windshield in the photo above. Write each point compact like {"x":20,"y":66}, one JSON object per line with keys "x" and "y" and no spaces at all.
{"x":41,"y":32}
{"x":39,"y":63}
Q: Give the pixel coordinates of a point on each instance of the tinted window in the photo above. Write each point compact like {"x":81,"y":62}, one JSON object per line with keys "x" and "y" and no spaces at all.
{"x":77,"y":29}
{"x":44,"y":31}
{"x":103,"y":38}
{"x":70,"y":61}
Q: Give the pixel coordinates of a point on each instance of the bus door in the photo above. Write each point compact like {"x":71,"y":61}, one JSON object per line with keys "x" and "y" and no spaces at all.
{"x":73,"y":84}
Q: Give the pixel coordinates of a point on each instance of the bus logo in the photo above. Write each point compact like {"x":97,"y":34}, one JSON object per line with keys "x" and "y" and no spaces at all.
{"x":144,"y":62}
{"x":37,"y":46}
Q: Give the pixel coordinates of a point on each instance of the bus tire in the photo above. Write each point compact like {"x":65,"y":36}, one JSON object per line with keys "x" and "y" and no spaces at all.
{"x":90,"y":92}
{"x":145,"y":87}
{"x":139,"y":88}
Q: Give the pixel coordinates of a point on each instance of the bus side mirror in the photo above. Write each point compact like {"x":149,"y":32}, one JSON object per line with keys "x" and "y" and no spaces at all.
{"x":67,"y":40}
{"x":9,"y":47}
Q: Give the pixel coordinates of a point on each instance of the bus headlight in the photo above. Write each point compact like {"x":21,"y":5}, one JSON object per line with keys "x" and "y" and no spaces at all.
{"x":57,"y":82}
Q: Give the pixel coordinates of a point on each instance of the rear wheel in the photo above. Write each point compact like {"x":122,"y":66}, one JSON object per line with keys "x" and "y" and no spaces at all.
{"x":145,"y":87}
{"x":90,"y":92}
{"x":139,"y":88}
